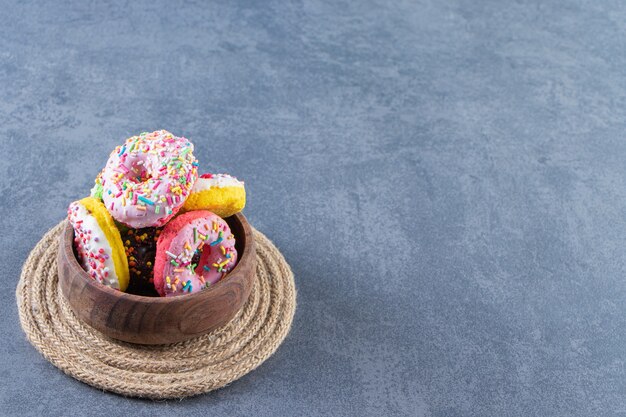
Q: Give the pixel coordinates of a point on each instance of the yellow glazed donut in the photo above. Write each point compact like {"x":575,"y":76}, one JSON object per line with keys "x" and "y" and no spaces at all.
{"x":220,"y":193}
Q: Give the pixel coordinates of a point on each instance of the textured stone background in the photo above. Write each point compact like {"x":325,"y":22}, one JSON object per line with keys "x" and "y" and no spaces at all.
{"x":446,"y":178}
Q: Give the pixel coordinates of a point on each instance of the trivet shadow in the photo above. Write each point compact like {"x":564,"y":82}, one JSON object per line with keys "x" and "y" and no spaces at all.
{"x":178,"y":370}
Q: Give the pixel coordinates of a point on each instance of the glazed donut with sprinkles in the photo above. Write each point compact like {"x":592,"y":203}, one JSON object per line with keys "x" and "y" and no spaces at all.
{"x":195,"y":250}
{"x":98,"y":243}
{"x":148,"y":178}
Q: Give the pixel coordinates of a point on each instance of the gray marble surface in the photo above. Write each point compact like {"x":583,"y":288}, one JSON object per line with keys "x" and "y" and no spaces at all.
{"x":446,"y":178}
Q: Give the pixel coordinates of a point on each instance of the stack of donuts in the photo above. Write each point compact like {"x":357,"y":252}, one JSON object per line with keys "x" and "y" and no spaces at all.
{"x":152,"y":226}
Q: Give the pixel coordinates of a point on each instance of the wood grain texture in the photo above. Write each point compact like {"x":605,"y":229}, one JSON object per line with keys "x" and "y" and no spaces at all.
{"x":158,"y":320}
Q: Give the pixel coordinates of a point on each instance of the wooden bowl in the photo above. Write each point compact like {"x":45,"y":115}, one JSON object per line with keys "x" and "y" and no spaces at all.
{"x":157,"y":320}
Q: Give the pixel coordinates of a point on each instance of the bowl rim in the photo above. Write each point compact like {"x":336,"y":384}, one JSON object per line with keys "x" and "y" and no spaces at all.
{"x":243,"y":259}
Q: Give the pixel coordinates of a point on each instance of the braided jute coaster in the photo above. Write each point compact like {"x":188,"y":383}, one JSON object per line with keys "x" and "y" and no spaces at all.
{"x":178,"y":370}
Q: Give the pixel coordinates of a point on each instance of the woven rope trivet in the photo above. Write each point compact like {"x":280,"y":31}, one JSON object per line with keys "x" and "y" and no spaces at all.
{"x":163,"y":371}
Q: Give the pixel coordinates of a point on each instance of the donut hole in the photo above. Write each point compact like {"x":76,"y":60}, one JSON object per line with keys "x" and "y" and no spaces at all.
{"x":201,"y":258}
{"x":138,"y":172}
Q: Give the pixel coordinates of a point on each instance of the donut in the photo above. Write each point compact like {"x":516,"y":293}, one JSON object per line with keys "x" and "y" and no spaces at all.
{"x":195,"y":249}
{"x":220,"y":193}
{"x":140,"y":248}
{"x":98,"y":243}
{"x":148,"y":178}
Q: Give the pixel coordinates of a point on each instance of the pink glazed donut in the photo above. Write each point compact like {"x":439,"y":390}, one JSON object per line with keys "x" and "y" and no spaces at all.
{"x":148,"y":178}
{"x":194,"y":250}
